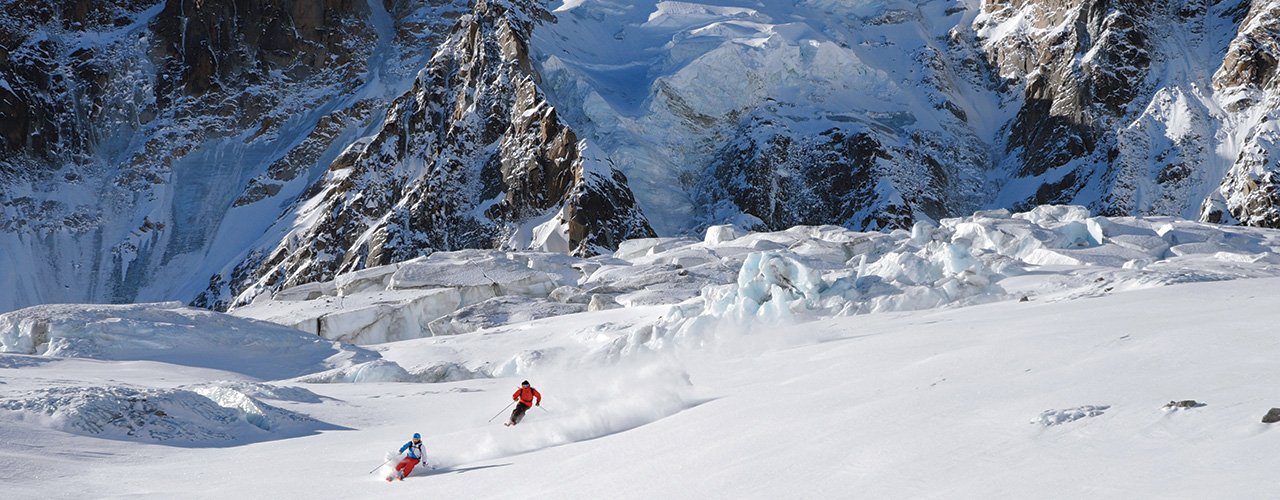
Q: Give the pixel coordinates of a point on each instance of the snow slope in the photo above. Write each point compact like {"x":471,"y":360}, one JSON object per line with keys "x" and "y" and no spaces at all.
{"x":729,"y":395}
{"x":936,"y":404}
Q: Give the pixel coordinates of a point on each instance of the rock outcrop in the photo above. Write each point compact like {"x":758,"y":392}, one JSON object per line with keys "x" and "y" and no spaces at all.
{"x":1249,"y":83}
{"x":472,"y":156}
{"x":1122,"y":112}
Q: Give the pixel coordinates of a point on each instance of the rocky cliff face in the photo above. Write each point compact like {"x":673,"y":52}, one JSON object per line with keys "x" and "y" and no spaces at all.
{"x":222,"y":149}
{"x":145,"y":141}
{"x":83,"y":77}
{"x":786,"y":181}
{"x":1122,"y":109}
{"x":1000,"y":103}
{"x":151,"y":145}
{"x":52,"y":90}
{"x":1249,"y":83}
{"x":472,"y":156}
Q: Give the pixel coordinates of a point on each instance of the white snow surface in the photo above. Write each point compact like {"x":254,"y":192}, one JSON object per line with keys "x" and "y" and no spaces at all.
{"x":999,"y":355}
{"x":172,"y":333}
{"x":208,"y":415}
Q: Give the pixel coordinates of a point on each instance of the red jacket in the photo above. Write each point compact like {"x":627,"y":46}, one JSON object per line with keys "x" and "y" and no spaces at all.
{"x":526,"y":394}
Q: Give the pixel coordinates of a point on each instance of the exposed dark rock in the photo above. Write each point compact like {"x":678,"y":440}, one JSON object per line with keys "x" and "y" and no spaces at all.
{"x":1078,"y":77}
{"x":48,"y":82}
{"x":783,"y":181}
{"x":463,"y":160}
{"x":1250,"y":78}
{"x":216,"y":44}
{"x":109,"y":96}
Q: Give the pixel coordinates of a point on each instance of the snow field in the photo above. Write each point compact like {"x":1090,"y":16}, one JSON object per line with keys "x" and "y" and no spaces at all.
{"x":171,"y":333}
{"x":938,"y":404}
{"x":772,"y":369}
{"x":924,"y":404}
{"x":582,"y":406}
{"x":207,"y":415}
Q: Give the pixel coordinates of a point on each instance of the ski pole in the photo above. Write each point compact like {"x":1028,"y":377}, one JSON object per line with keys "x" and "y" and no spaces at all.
{"x":375,"y":469}
{"x":544,"y":409}
{"x":503,"y":409}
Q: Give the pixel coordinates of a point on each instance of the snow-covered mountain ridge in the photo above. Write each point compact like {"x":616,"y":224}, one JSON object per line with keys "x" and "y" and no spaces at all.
{"x":209,"y":153}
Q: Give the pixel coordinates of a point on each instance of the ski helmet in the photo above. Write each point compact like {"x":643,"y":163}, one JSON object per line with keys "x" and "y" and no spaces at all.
{"x":525,"y":383}
{"x":417,"y":436}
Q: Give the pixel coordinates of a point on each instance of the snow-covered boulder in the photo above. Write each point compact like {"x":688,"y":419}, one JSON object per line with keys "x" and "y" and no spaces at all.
{"x":1182,"y":405}
{"x":570,"y":295}
{"x":716,"y":235}
{"x":602,"y":302}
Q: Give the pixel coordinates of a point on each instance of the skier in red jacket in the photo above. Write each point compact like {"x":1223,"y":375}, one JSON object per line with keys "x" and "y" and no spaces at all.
{"x":524,"y":400}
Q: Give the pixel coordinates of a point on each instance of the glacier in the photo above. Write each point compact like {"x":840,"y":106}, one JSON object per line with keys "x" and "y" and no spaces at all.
{"x":1053,"y":333}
